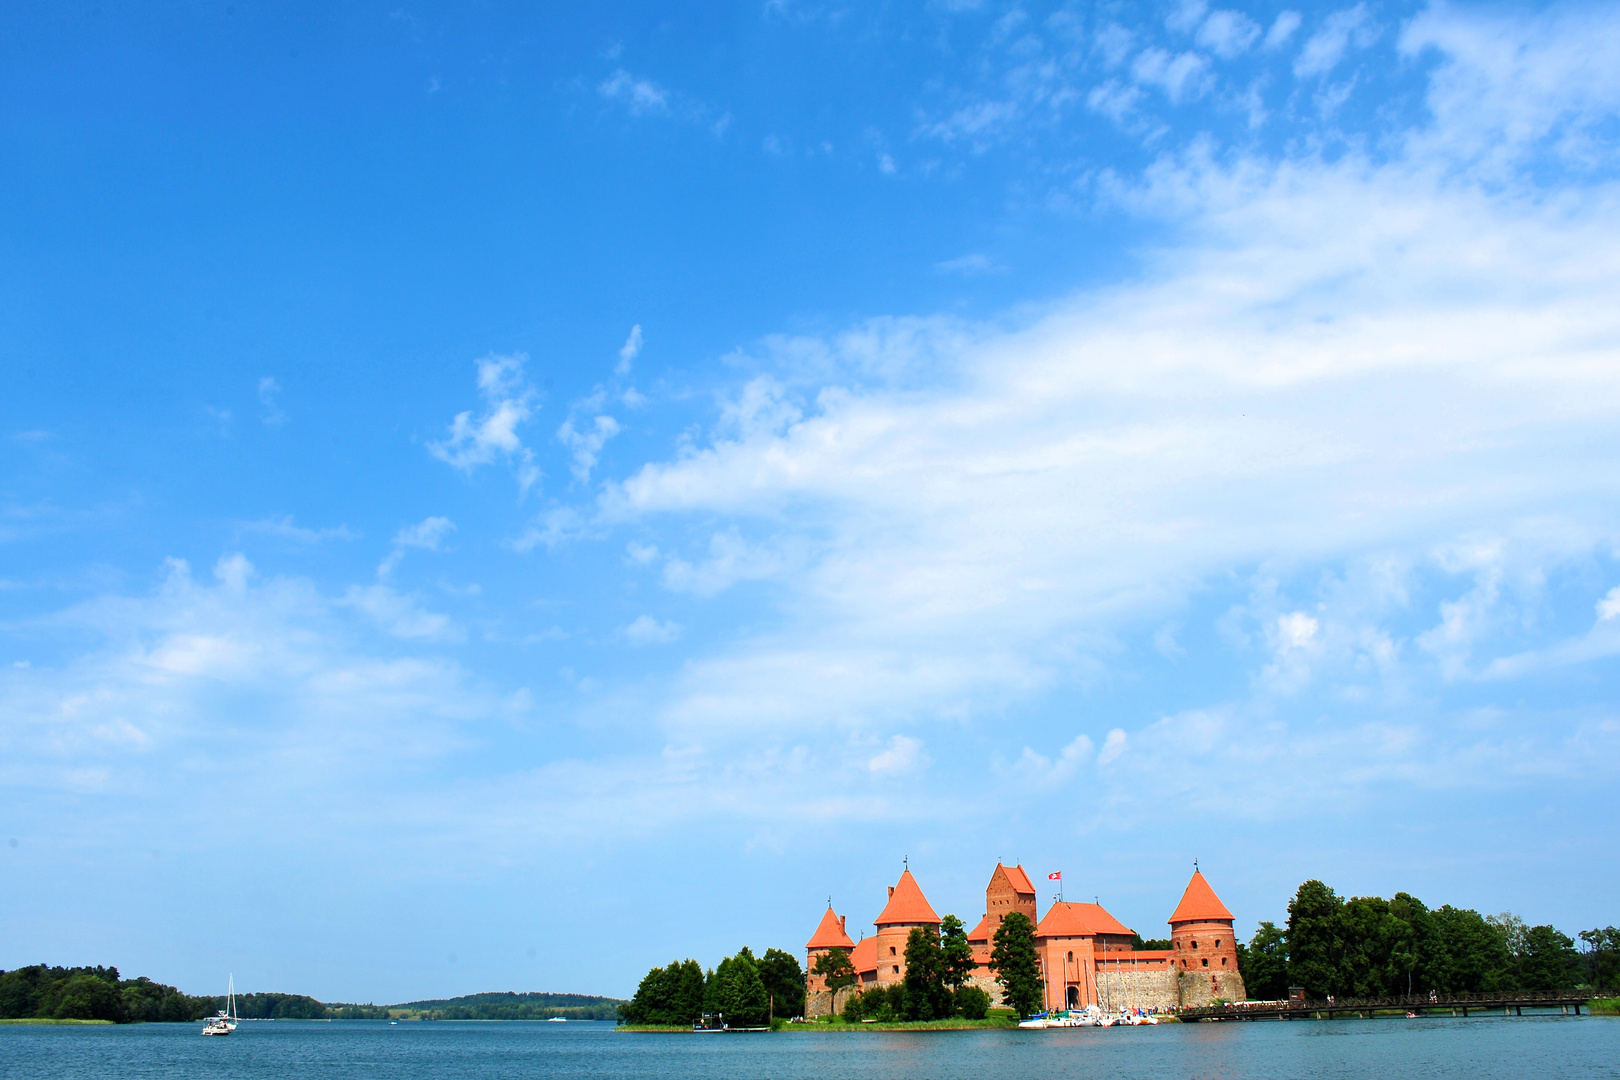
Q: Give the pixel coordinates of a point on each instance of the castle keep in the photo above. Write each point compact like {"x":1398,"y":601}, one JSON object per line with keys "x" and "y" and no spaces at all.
{"x":1086,"y":954}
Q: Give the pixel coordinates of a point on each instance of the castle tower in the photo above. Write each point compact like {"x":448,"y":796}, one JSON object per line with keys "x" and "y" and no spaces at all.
{"x":1202,"y":946}
{"x":1009,"y":891}
{"x":907,"y":908}
{"x":829,"y":935}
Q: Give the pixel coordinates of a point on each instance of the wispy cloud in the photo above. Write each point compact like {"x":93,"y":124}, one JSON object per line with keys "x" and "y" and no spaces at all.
{"x":426,"y":535}
{"x":639,"y":95}
{"x":270,"y":402}
{"x":509,"y":401}
{"x":285,"y":528}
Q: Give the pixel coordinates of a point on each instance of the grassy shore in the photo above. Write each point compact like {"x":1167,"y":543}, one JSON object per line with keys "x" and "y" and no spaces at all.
{"x":954,"y":1024}
{"x":33,"y":1020}
{"x":1605,"y":1006}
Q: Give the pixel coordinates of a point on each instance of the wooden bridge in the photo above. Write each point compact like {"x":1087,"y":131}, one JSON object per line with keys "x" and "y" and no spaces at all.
{"x":1508,"y":1004}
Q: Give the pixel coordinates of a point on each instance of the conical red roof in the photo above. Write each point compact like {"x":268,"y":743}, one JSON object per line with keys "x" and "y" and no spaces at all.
{"x":1200,"y":904}
{"x":830,"y":934}
{"x":907,"y":904}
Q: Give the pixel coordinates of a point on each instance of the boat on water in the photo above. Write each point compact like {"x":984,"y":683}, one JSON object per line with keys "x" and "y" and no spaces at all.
{"x":557,"y":1020}
{"x":225,"y":1022}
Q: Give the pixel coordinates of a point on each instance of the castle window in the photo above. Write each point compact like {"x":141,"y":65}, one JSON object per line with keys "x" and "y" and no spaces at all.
{"x":897,"y":969}
{"x":1195,"y":945}
{"x":1071,"y":958}
{"x":891,"y":950}
{"x":1206,"y":963}
{"x":1217,"y":943}
{"x":1223,"y":961}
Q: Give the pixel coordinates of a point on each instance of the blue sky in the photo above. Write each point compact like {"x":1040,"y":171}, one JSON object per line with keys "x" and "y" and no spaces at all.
{"x":479,"y":483}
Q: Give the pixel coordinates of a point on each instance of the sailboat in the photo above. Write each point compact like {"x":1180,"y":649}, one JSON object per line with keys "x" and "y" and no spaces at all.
{"x":225,"y":1022}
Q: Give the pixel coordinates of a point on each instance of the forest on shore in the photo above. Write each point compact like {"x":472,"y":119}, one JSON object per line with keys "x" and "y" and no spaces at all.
{"x":1367,"y":946}
{"x":41,"y":992}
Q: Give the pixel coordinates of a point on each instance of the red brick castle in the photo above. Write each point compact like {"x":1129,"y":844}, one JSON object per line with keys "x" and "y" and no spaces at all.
{"x":1086,"y":954}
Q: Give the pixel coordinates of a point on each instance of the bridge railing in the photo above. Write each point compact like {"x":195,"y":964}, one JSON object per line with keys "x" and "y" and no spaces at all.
{"x":1416,"y":1001}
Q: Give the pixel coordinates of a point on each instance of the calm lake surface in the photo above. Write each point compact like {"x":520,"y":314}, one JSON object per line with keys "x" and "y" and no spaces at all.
{"x":1543,"y":1047}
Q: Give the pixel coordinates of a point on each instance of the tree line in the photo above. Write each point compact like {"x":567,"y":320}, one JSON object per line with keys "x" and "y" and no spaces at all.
{"x":1367,"y":946}
{"x":39,"y":992}
{"x":749,"y":991}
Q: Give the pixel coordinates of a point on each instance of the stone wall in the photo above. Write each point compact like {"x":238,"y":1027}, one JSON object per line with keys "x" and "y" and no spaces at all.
{"x":819,"y":1003}
{"x":1127,"y":989}
{"x":1199,"y":988}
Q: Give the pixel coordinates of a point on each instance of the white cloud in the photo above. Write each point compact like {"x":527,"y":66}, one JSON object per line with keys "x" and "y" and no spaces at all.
{"x":903,"y":754}
{"x":1113,"y":746}
{"x":400,"y":615}
{"x":1182,"y":77}
{"x":509,"y":402}
{"x":1185,"y":15}
{"x":646,"y":630}
{"x":1609,"y":606}
{"x":1048,"y":774}
{"x":1282,"y":28}
{"x":969,"y":265}
{"x":629,"y":351}
{"x":975,"y":123}
{"x":642,"y":97}
{"x":426,"y":535}
{"x":1506,"y":85}
{"x":586,"y":446}
{"x":1228,"y":34}
{"x":1324,"y":49}
{"x":285,"y":528}
{"x":731,"y":559}
{"x":269,"y":395}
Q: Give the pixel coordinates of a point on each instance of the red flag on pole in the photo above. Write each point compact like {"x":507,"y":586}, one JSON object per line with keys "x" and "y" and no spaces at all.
{"x":1058,"y":876}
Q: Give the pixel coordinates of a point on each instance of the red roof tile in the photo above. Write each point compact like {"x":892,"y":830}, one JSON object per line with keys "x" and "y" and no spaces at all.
{"x":830,"y":934}
{"x":1019,"y":879}
{"x":1079,"y":920}
{"x":1200,"y":904}
{"x":986,"y":927}
{"x":906,"y":904}
{"x":863,"y":957}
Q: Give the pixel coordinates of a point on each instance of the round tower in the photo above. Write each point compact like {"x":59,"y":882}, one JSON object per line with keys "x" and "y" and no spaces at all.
{"x":1203,"y":948}
{"x":907,"y":908}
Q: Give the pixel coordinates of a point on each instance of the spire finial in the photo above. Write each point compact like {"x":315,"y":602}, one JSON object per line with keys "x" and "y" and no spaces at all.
{"x":1195,"y":865}
{"x":829,"y":903}
{"x":905,"y":864}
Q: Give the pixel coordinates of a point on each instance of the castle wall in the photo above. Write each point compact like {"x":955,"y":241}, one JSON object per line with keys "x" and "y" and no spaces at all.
{"x":1199,"y":989}
{"x":1127,"y":989}
{"x":819,"y":1003}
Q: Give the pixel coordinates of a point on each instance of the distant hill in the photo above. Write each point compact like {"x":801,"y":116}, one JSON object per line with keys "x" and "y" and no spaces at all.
{"x":511,"y":1006}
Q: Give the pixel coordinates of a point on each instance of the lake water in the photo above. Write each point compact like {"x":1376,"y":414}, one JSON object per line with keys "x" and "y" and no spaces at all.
{"x":1542,"y":1047}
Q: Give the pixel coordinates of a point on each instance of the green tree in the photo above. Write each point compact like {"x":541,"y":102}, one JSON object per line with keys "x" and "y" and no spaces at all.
{"x":956,"y":955}
{"x":1014,"y":960}
{"x":1263,"y":963}
{"x":1316,"y":939}
{"x":784,"y":982}
{"x":739,"y":992}
{"x":972,"y":1003}
{"x":83,"y":997}
{"x":1473,"y":953}
{"x":927,"y":997}
{"x":1413,"y":956}
{"x":1549,"y":961}
{"x":1601,"y":949}
{"x":836,"y":971}
{"x":1149,"y":944}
